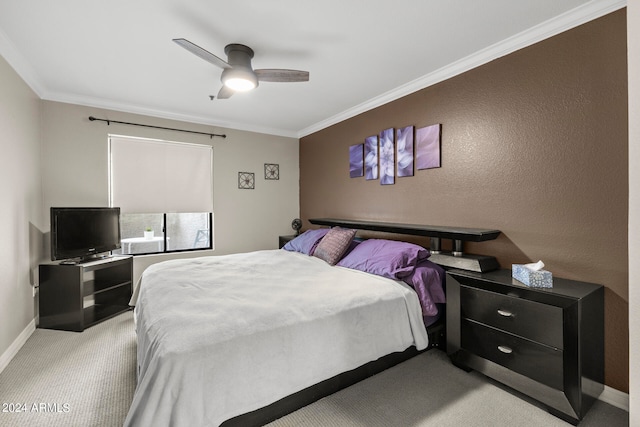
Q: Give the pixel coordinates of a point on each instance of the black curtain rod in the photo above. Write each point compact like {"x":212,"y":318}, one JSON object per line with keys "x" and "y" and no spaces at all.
{"x":211,"y":135}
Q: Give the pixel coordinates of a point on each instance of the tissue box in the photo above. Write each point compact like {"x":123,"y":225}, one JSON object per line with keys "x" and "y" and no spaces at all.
{"x":535,"y":279}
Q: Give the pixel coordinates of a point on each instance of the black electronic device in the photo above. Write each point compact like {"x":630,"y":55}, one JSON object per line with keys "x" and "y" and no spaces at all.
{"x":84,"y":232}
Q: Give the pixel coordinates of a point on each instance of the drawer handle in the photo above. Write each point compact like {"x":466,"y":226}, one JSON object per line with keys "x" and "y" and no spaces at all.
{"x":505,"y":349}
{"x":505,"y":313}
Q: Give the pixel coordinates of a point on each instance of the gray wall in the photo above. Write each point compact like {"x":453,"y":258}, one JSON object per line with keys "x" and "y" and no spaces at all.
{"x":21,"y":212}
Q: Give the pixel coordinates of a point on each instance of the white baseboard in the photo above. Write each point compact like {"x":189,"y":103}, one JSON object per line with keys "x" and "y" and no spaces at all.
{"x":615,"y":398}
{"x":16,"y":345}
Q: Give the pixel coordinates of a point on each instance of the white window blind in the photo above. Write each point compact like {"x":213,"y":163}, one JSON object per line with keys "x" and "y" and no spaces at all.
{"x":151,"y":176}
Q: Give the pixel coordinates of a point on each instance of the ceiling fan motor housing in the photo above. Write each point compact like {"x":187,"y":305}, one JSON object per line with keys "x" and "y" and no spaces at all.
{"x":239,"y":58}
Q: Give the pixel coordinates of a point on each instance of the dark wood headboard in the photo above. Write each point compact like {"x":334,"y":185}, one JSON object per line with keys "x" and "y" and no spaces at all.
{"x":454,"y":233}
{"x":456,"y":258}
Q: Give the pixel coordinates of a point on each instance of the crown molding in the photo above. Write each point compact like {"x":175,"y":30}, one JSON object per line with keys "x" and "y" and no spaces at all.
{"x":571,"y":19}
{"x":21,"y":66}
{"x":161,"y":114}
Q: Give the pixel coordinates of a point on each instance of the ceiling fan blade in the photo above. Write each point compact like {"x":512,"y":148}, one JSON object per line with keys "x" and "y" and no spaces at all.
{"x":225,"y":92}
{"x":282,"y":76}
{"x":202,"y":53}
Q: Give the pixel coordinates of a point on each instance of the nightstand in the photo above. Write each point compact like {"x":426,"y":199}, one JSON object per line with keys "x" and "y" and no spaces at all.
{"x":547,"y":343}
{"x":283,"y":240}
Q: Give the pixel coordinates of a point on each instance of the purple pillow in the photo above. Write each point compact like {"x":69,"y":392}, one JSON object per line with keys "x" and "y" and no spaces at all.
{"x":387,"y":258}
{"x":306,"y":242}
{"x":428,"y":280}
{"x":334,"y":244}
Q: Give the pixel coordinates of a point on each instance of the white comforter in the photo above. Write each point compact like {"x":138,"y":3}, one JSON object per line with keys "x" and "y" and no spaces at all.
{"x":225,"y":335}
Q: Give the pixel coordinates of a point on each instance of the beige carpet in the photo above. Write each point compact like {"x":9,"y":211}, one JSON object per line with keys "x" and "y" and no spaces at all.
{"x":428,"y":390}
{"x":88,"y":379}
{"x":72,"y":379}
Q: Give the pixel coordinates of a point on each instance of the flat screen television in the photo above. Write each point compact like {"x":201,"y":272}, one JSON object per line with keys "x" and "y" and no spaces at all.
{"x":84,"y":233}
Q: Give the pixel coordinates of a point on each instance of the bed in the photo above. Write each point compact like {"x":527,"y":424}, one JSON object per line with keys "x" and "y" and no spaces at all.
{"x":243,"y":339}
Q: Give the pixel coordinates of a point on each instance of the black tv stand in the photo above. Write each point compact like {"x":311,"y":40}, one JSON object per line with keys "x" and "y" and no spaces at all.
{"x":76,"y":296}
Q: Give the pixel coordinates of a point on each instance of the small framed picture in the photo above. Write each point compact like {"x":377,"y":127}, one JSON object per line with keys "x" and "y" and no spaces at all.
{"x":271,"y":171}
{"x":246,"y":180}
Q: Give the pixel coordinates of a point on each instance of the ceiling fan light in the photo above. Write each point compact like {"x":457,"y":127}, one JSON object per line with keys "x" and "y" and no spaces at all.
{"x":239,"y":79}
{"x":239,"y":84}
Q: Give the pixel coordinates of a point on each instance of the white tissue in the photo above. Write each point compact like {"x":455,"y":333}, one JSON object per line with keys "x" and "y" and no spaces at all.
{"x":535,"y":266}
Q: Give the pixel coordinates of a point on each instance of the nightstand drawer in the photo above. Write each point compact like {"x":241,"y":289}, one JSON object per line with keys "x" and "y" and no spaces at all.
{"x":536,"y":361}
{"x":532,"y":320}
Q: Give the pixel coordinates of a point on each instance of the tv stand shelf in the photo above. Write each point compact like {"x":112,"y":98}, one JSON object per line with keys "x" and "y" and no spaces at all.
{"x":75,"y":297}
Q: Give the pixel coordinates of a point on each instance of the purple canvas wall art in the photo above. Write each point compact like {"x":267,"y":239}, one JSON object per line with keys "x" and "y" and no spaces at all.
{"x":356,"y":162}
{"x":371,"y":157}
{"x":404,"y":151}
{"x":428,"y":147}
{"x":387,"y":157}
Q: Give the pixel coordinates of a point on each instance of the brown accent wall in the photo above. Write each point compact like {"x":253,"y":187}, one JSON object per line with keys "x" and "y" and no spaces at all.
{"x":534,"y":144}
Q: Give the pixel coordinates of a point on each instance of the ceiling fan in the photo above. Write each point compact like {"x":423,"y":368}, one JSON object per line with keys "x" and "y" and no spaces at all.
{"x":237,"y":73}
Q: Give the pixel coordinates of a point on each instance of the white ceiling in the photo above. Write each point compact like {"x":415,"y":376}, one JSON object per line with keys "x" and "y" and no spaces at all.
{"x":118,"y":54}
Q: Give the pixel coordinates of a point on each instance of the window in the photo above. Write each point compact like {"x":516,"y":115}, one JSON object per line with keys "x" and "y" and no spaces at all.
{"x":165,"y":194}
